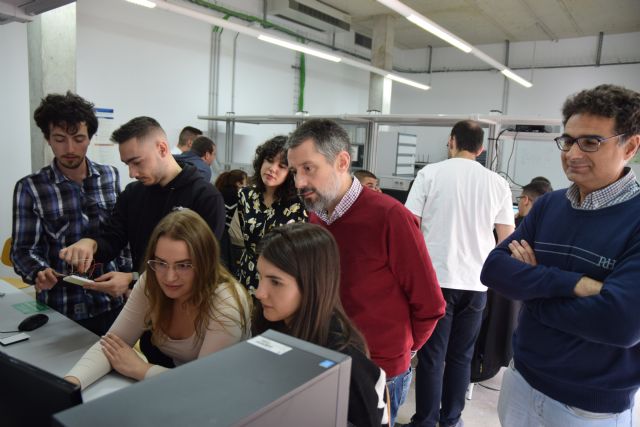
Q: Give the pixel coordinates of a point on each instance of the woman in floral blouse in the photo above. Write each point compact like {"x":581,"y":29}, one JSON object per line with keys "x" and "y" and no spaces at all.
{"x":271,"y":201}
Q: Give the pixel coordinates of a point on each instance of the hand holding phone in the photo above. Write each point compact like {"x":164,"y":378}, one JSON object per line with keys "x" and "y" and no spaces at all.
{"x":77,"y":280}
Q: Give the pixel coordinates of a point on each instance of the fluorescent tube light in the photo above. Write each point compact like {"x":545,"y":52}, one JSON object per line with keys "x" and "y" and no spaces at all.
{"x":513,"y":76}
{"x":248,"y":31}
{"x":438,"y":31}
{"x":407,"y":81}
{"x":145,"y":3}
{"x":299,"y":47}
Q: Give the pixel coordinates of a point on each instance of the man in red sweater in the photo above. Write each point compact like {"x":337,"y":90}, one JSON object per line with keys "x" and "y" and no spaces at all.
{"x":388,"y":286}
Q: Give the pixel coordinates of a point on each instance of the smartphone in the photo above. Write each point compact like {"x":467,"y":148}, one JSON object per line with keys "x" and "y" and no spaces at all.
{"x":77,"y":280}
{"x":14,"y":339}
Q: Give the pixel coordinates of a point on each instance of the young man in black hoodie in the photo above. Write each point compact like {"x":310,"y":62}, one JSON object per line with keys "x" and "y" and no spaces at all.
{"x":163,"y":185}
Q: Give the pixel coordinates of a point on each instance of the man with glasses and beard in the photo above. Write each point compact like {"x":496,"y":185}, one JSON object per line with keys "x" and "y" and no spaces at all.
{"x":54,"y":207}
{"x":388,"y":285}
{"x":575,"y":262}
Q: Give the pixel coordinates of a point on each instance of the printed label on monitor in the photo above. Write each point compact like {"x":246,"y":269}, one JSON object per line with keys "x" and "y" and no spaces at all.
{"x":269,"y":345}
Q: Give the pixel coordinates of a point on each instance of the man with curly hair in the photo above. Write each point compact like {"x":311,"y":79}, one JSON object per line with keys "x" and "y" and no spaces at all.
{"x":62,"y":202}
{"x":575,"y":262}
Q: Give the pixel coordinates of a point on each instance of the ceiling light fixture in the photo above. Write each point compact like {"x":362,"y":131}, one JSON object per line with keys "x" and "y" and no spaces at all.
{"x":438,"y":31}
{"x":406,"y":81}
{"x":451,"y":38}
{"x":242,"y":29}
{"x":513,"y":76}
{"x":299,"y":47}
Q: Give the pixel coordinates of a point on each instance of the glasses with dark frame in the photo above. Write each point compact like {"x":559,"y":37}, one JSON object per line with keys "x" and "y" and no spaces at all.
{"x":589,"y":144}
{"x":162,"y":267}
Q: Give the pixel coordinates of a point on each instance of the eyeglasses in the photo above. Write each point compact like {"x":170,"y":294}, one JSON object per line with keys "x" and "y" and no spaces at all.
{"x":588,"y":144}
{"x":521,"y":197}
{"x":162,"y":267}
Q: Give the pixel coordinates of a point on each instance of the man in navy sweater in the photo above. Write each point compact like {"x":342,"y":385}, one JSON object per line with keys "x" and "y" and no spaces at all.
{"x":575,"y":263}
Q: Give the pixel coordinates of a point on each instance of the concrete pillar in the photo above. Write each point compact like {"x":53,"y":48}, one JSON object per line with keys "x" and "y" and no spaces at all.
{"x":381,"y":57}
{"x":52,"y":67}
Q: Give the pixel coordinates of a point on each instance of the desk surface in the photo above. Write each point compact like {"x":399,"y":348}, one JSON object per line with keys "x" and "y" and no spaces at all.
{"x":54,"y":347}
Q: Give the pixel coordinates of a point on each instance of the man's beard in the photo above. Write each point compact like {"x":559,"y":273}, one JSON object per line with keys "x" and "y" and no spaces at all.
{"x":325,"y":199}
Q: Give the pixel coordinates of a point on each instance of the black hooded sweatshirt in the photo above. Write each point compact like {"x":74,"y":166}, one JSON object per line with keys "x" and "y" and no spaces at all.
{"x":140,"y":208}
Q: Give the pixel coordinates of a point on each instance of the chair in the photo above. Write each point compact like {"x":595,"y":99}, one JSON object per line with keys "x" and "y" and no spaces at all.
{"x":6,"y":252}
{"x":6,"y":260}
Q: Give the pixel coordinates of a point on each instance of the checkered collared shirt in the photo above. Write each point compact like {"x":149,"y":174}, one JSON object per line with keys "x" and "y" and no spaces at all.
{"x":347,"y":201}
{"x":51,"y":212}
{"x":620,"y":191}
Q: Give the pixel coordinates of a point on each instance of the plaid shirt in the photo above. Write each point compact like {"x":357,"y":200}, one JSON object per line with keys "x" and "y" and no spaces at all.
{"x":620,"y":191}
{"x":51,"y":212}
{"x":347,"y":201}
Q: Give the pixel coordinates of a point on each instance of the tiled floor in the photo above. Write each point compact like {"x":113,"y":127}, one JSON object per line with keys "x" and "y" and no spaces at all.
{"x":481,"y":411}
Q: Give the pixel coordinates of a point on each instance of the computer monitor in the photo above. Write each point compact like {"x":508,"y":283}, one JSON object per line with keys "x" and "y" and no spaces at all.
{"x":30,"y":396}
{"x":271,"y":380}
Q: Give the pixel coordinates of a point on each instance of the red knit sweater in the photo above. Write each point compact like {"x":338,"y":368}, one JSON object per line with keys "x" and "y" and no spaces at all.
{"x":389,"y":288}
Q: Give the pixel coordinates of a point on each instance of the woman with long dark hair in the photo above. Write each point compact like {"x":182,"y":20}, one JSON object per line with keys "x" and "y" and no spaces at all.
{"x":299,"y":294}
{"x":271,"y":201}
{"x":185,"y":306}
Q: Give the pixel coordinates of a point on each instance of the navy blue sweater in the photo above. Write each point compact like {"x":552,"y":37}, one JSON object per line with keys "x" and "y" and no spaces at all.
{"x":584,"y":352}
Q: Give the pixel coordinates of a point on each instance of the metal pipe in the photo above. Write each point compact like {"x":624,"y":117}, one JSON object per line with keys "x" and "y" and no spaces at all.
{"x":599,"y":52}
{"x":233,"y":73}
{"x":505,"y":84}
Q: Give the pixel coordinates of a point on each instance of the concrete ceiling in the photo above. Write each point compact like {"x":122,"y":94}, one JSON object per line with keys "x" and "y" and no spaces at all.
{"x":493,"y":21}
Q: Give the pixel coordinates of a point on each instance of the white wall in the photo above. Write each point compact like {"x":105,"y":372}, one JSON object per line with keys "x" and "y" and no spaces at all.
{"x":152,"y":62}
{"x":15,"y":161}
{"x":470,"y":92}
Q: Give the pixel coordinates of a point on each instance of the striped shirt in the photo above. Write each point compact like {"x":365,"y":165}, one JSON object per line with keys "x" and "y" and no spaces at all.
{"x":51,"y":212}
{"x":343,"y":206}
{"x":620,"y":191}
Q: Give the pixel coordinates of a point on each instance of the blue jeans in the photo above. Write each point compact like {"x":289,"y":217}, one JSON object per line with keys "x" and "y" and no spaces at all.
{"x":398,"y":389}
{"x":521,"y":405}
{"x":444,"y":362}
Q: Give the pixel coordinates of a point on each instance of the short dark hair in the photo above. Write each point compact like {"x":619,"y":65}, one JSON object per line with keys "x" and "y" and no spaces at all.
{"x":310,"y":254}
{"x":138,"y":127}
{"x":362,"y":174}
{"x":328,"y":137}
{"x":269,"y":151}
{"x":614,"y":102}
{"x":188,"y":132}
{"x":541,"y":179}
{"x":469,"y":135}
{"x":202,"y":145}
{"x":536,"y":189}
{"x":66,"y":111}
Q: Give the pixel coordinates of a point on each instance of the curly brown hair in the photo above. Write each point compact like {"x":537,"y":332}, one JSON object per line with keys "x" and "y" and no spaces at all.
{"x":269,"y":151}
{"x":614,"y":102}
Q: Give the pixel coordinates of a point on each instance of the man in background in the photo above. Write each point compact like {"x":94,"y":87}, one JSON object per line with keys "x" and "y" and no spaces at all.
{"x":185,"y":139}
{"x":201,"y":155}
{"x":368,"y":179}
{"x":458,"y":203}
{"x":529,"y":195}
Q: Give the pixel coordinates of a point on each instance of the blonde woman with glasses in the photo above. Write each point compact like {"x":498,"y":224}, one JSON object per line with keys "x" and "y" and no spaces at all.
{"x":185,"y":306}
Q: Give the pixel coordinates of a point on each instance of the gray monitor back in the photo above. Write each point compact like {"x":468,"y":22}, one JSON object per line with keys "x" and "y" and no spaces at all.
{"x":271,"y":380}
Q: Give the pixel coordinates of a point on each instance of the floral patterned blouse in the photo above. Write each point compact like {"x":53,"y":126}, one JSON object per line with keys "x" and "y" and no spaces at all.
{"x":256,"y":220}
